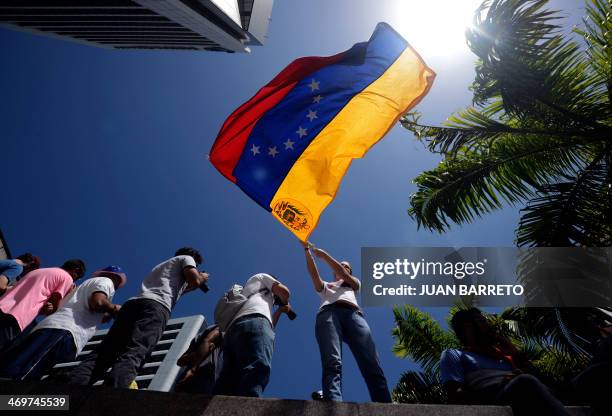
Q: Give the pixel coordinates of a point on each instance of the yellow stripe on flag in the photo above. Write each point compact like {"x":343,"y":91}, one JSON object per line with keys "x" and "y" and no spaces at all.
{"x":313,"y":181}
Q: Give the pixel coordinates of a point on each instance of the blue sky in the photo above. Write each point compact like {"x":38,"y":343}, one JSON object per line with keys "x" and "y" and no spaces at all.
{"x":104,"y":158}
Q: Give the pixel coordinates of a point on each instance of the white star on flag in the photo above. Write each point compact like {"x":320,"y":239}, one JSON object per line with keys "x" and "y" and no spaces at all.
{"x":255,"y":150}
{"x":272,"y":151}
{"x":317,"y":99}
{"x":314,"y":85}
{"x":289,"y":144}
{"x":301,"y":132}
{"x":311,"y":115}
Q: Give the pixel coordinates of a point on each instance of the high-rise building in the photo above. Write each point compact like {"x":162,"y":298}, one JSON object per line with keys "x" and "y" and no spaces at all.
{"x":160,"y":370}
{"x":213,"y":25}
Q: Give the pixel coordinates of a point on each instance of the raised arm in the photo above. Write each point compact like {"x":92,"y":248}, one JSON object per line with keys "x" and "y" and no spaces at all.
{"x":278,"y":312}
{"x":194,"y":277}
{"x":519,"y":358}
{"x":281,"y":291}
{"x":312,"y":269}
{"x":337,"y":268}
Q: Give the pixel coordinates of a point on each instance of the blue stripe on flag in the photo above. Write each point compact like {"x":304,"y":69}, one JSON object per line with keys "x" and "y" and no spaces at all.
{"x":282,"y":134}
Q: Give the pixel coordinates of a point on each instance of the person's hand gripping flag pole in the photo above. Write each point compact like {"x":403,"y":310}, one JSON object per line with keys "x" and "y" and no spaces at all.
{"x":290,"y":145}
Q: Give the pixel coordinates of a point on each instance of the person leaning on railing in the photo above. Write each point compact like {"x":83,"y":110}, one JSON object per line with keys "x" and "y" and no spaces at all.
{"x":39,"y":292}
{"x":140,"y":323}
{"x":61,"y":336}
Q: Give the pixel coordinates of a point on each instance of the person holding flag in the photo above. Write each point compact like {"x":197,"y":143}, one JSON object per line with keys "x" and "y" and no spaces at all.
{"x":340,"y":319}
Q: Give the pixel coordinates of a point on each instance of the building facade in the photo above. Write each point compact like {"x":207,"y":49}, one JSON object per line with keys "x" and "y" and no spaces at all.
{"x":5,"y":253}
{"x":160,"y":371}
{"x":208,"y":25}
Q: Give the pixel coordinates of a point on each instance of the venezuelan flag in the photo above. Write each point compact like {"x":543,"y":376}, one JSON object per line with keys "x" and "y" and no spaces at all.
{"x":290,"y":145}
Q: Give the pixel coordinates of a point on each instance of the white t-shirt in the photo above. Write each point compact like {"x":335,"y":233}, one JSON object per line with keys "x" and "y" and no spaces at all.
{"x":260,"y":303}
{"x":165,"y":284}
{"x":75,"y":315}
{"x":334,"y":291}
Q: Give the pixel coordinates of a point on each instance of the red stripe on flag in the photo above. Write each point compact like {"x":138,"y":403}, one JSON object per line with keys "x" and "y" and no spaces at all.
{"x":232,"y":137}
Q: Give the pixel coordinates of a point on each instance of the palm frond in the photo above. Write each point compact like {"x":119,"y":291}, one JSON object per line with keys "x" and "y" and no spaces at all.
{"x":597,"y":34}
{"x":472,"y":130}
{"x":559,"y":365}
{"x":419,"y":337}
{"x":576,"y":211}
{"x":471,"y":184}
{"x":539,"y":131}
{"x":419,"y":387}
{"x":527,"y":62}
{"x":566,"y":330}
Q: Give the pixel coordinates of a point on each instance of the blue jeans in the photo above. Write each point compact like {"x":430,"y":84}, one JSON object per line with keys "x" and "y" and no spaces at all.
{"x":36,"y":355}
{"x":336,"y":324}
{"x":247,"y":357}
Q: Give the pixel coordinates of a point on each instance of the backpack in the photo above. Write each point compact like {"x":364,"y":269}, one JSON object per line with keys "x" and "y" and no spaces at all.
{"x":230,"y":304}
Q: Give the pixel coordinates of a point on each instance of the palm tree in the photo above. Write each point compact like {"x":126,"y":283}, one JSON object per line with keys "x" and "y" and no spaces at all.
{"x":539,"y":131}
{"x":422,"y":339}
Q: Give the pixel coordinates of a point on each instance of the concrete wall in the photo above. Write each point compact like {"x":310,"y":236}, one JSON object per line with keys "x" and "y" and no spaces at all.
{"x":102,"y":401}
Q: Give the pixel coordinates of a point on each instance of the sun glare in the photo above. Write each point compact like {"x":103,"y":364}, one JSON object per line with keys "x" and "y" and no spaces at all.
{"x":435,"y":28}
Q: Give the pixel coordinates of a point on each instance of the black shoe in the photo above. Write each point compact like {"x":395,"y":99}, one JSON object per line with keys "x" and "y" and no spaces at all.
{"x":317,"y":395}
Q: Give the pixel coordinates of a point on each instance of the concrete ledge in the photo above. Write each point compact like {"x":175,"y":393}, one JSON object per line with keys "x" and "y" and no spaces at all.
{"x":102,"y":401}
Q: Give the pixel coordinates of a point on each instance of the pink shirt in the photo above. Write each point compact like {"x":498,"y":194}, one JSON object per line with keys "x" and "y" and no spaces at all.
{"x":33,"y":291}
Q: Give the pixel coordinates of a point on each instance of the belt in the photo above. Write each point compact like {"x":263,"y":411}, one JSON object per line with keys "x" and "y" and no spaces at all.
{"x":249,"y":316}
{"x":344,"y":305}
